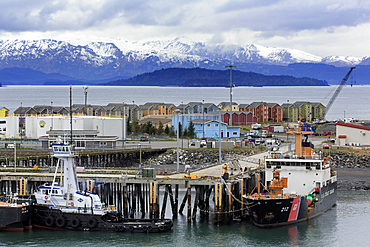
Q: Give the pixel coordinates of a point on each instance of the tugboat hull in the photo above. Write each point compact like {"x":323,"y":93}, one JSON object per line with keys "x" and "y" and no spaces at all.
{"x":45,"y":217}
{"x":275,"y":212}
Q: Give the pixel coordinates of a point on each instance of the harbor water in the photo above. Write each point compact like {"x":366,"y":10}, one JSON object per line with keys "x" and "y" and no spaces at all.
{"x":351,"y":102}
{"x":346,"y":224}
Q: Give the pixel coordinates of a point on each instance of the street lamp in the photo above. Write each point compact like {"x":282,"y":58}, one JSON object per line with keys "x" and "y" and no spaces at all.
{"x":52,"y":115}
{"x":182,"y":124}
{"x":219,"y":134}
{"x":123,"y":123}
{"x":203,"y":117}
{"x":177,"y":158}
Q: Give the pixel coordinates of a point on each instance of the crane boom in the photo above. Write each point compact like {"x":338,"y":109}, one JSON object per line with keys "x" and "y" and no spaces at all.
{"x":337,"y":91}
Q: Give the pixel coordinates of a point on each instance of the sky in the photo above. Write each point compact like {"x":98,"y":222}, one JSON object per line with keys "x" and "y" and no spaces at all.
{"x":320,"y":27}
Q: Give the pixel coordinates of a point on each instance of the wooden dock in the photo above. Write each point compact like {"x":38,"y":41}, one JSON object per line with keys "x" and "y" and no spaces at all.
{"x":206,"y":193}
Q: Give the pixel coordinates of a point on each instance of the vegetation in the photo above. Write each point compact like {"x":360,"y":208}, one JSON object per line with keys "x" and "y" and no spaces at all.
{"x":150,"y":129}
{"x":199,"y":77}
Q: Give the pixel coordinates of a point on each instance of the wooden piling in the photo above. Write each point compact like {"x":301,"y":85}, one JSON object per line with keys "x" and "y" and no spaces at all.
{"x":195,"y":202}
{"x":183,"y":202}
{"x":164,"y":202}
{"x":189,"y":204}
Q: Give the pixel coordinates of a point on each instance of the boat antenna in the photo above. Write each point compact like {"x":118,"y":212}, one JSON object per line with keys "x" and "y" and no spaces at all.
{"x":70,"y":109}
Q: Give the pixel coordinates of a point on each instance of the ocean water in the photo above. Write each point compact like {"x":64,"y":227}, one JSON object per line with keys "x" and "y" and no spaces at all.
{"x":351,"y":102}
{"x":346,"y":224}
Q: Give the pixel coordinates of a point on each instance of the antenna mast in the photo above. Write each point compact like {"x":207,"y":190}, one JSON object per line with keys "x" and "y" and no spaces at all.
{"x":231,"y":95}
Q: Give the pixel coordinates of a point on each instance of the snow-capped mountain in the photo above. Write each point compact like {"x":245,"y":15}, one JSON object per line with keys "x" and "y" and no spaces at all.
{"x":97,"y":60}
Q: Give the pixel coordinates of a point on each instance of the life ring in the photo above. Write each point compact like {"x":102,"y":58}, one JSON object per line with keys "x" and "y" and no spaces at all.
{"x":161,"y":228}
{"x":60,"y":222}
{"x":49,"y":221}
{"x":92,"y":223}
{"x":46,"y":197}
{"x":72,"y":204}
{"x":76,"y":222}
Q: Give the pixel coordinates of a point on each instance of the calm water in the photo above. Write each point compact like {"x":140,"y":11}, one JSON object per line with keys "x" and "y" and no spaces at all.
{"x":346,"y":224}
{"x":351,"y":102}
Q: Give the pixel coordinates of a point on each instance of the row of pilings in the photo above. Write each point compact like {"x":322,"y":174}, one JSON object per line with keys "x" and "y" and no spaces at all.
{"x":220,"y":200}
{"x":121,"y":158}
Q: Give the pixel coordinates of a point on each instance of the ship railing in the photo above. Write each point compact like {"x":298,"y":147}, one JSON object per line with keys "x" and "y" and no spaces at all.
{"x":276,"y":155}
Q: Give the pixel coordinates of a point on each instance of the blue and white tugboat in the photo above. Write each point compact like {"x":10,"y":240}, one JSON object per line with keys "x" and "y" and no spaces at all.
{"x":63,"y":206}
{"x":297,"y":187}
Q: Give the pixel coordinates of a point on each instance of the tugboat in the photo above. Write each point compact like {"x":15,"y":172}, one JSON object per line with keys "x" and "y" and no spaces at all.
{"x":63,"y":206}
{"x":297,"y":187}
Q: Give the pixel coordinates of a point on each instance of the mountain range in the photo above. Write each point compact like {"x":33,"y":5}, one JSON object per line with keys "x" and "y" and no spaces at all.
{"x":74,"y":62}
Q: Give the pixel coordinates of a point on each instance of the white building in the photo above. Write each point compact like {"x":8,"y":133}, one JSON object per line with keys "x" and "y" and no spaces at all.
{"x":352,"y":134}
{"x":37,"y":126}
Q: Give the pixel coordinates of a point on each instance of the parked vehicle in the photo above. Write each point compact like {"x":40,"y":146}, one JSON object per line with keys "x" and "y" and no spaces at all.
{"x":143,"y":139}
{"x":325,"y":146}
{"x":203,"y":143}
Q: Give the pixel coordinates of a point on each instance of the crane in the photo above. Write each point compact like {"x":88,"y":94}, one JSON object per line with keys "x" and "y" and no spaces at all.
{"x":337,"y":91}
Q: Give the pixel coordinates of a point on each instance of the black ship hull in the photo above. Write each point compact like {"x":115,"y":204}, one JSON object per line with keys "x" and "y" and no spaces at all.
{"x":45,"y":217}
{"x":275,"y":212}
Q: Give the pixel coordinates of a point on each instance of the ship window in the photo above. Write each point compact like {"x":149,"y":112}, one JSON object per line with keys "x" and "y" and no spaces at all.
{"x":268,"y":165}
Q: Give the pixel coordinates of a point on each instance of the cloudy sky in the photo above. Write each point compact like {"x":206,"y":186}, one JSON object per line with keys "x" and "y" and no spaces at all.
{"x":320,"y":27}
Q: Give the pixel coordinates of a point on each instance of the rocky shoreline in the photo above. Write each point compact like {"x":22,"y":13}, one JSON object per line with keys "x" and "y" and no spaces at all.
{"x":353,"y":170}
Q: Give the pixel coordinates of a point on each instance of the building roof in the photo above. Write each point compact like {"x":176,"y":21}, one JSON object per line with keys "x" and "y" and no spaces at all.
{"x":356,"y":126}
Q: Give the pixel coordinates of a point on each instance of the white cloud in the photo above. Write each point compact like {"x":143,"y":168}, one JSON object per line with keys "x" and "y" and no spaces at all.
{"x":320,"y":27}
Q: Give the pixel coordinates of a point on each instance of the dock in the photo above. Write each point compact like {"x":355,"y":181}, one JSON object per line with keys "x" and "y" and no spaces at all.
{"x":141,"y":193}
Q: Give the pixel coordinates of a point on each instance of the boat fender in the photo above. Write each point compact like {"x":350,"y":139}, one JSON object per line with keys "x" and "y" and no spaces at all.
{"x":145,"y":228}
{"x":121,"y":228}
{"x":131,"y":228}
{"x":161,"y":228}
{"x":92,"y":223}
{"x":49,"y":221}
{"x":116,"y":228}
{"x":60,"y":222}
{"x":150,"y":228}
{"x":75,"y":222}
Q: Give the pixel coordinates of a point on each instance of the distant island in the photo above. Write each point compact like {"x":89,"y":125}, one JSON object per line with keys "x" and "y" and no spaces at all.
{"x":199,"y":77}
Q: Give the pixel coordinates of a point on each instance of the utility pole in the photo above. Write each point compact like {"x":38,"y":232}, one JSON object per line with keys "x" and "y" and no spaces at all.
{"x":85,"y":92}
{"x":70,"y":109}
{"x":203,"y":117}
{"x":231,"y":95}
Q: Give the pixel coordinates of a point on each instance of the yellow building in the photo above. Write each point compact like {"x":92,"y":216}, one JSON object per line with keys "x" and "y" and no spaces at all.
{"x":4,"y":112}
{"x":225,"y":106}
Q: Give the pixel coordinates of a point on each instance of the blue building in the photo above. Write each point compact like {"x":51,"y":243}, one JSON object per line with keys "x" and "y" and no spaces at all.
{"x":185,"y":119}
{"x":210,"y":128}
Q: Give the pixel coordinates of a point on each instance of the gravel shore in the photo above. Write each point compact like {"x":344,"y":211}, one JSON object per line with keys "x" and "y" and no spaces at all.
{"x":353,"y":178}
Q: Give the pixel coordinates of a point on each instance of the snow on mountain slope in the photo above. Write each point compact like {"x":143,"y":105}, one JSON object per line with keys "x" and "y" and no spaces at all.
{"x":179,"y":49}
